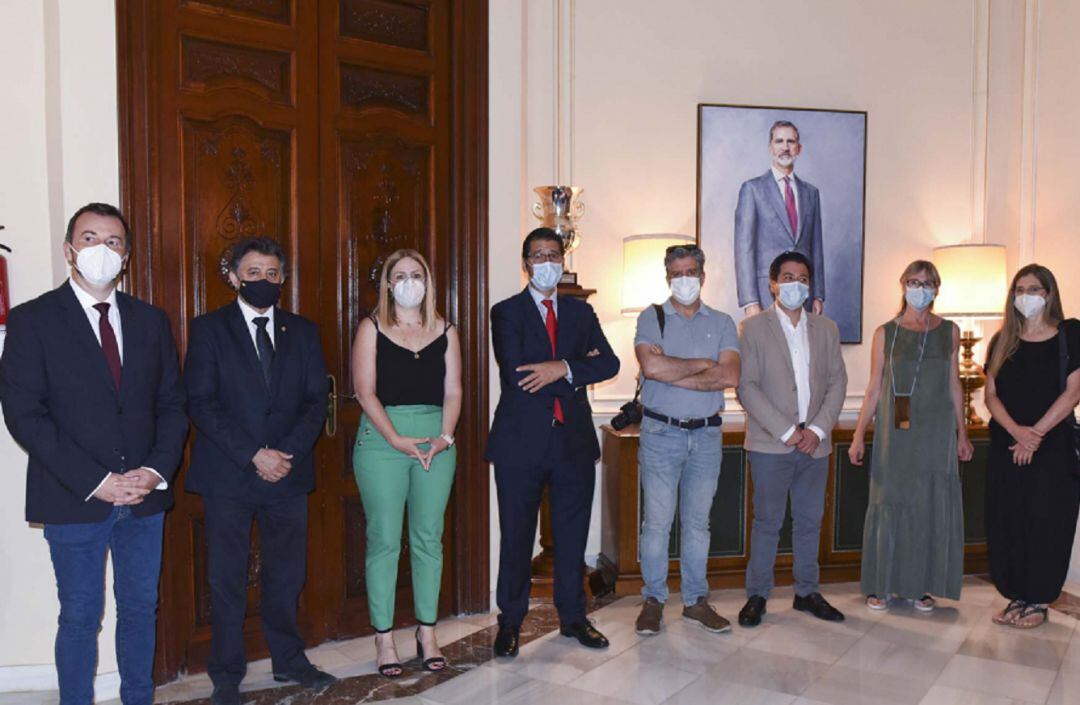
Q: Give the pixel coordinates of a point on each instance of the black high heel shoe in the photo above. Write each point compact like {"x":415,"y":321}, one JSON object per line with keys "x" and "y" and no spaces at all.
{"x":389,"y":670}
{"x":433,"y":664}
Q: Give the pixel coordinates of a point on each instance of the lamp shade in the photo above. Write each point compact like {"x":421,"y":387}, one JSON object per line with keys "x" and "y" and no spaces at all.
{"x":644,"y":276}
{"x":973,"y":281}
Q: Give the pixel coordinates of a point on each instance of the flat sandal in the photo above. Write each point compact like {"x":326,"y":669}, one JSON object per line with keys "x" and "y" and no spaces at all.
{"x":1028,"y":611}
{"x":1008,"y":615}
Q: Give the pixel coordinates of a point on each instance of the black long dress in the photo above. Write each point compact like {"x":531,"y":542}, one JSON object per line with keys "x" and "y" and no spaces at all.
{"x":1031,"y":511}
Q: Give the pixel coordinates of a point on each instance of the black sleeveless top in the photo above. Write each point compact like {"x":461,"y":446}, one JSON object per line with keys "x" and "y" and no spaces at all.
{"x":404,"y":378}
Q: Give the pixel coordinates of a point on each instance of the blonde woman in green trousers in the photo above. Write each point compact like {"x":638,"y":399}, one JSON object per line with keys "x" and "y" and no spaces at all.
{"x":406,"y":368}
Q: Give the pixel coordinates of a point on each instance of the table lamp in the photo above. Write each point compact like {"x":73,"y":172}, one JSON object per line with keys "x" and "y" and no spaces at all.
{"x":972,"y":288}
{"x":644,"y":276}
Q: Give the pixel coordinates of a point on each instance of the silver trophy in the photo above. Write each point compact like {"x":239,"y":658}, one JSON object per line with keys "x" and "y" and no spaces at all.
{"x":559,"y":208}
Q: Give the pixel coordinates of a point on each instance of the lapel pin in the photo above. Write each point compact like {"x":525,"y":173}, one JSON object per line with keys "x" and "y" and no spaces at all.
{"x":283,"y":329}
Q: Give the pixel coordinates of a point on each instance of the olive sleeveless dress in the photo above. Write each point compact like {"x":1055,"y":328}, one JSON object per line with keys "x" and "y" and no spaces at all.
{"x":913,"y":538}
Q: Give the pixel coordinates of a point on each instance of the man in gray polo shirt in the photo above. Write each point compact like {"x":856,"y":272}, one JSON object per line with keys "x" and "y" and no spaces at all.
{"x":687,"y":365}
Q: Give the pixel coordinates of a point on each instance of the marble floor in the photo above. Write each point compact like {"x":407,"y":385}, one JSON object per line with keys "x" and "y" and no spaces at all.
{"x":954,"y":656}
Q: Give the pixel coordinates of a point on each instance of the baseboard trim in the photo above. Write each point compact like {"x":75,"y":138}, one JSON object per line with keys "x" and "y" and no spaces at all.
{"x":16,"y":679}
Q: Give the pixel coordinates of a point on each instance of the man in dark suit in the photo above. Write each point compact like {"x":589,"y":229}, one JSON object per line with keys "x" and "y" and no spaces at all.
{"x":257,"y":387}
{"x":777,"y":212}
{"x":549,"y":349}
{"x":91,"y":389}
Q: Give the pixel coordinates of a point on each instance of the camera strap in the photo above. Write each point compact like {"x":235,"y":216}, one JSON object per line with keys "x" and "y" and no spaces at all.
{"x":660,"y":321}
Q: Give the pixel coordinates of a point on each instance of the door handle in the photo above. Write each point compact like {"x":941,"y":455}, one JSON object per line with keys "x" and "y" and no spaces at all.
{"x":331,"y":408}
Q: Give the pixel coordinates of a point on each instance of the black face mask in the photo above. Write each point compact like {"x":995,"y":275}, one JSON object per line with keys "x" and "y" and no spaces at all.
{"x":260,"y":293}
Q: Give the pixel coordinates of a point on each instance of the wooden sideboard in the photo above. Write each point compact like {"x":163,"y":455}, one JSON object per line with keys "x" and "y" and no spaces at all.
{"x":846,"y":499}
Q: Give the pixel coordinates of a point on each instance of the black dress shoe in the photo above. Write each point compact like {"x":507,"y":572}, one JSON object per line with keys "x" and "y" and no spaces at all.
{"x":309,"y":677}
{"x":816,"y":605}
{"x":586,"y":634}
{"x":225,"y":695}
{"x":750,"y":614}
{"x":506,"y":641}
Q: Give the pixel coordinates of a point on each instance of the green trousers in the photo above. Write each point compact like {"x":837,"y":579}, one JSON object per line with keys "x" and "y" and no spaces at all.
{"x":390,"y":482}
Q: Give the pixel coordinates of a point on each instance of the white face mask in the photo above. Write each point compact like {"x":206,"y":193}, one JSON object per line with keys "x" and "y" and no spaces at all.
{"x":408,"y":293}
{"x":1029,"y":305}
{"x":918,"y":299}
{"x":793,"y":295}
{"x":98,"y":264}
{"x":546,"y":275}
{"x":686,"y":290}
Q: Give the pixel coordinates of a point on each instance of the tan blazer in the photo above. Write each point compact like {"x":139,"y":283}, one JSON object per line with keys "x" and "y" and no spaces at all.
{"x":767,"y":381}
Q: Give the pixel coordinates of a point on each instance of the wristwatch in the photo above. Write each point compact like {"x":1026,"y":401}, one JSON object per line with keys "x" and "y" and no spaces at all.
{"x":448,"y":438}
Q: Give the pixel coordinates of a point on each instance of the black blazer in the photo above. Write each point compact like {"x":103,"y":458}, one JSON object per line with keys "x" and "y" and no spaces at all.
{"x":60,"y":404}
{"x":523,"y":420}
{"x":234,"y":413}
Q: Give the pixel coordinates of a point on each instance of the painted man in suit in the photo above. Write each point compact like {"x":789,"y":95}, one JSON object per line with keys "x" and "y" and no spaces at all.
{"x":91,"y":389}
{"x":256,"y":381}
{"x":549,"y":349}
{"x":777,"y":212}
{"x":793,"y":387}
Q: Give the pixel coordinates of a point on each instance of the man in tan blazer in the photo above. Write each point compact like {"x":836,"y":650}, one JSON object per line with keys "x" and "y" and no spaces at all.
{"x":793,"y":385}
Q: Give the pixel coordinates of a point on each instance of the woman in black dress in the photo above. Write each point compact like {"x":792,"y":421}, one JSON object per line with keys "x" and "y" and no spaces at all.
{"x":1032,"y":485}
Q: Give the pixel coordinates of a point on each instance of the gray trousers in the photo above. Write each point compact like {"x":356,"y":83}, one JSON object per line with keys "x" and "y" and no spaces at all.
{"x":775,"y":476}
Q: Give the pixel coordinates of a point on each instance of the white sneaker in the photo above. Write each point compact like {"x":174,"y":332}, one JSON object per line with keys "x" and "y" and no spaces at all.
{"x":924,"y":604}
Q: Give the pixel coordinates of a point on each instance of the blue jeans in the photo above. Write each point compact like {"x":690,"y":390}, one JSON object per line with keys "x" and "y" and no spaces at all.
{"x":680,"y":467}
{"x":78,"y":555}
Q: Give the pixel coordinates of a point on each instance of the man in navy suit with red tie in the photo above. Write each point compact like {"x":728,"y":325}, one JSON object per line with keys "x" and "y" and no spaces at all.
{"x":257,"y":387}
{"x":91,"y":390}
{"x":549,"y":349}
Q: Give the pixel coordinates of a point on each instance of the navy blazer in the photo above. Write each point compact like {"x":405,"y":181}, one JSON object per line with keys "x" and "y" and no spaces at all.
{"x":61,"y":405}
{"x":523,"y":420}
{"x":235,"y":414}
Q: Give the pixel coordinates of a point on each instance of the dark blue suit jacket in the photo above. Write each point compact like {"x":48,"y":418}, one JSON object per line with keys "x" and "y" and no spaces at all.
{"x":61,"y":405}
{"x":522,"y":423}
{"x":234,"y":413}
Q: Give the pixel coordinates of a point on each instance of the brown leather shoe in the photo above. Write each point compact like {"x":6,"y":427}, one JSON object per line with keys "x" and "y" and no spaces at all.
{"x":648,"y":622}
{"x":703,"y":613}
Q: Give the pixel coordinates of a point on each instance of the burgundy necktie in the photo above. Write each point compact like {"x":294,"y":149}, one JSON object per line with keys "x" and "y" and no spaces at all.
{"x":553,"y":335}
{"x":789,"y":203}
{"x":108,"y":343}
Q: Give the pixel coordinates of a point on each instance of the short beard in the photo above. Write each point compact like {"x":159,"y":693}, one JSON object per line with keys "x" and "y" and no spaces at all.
{"x":785,"y":161}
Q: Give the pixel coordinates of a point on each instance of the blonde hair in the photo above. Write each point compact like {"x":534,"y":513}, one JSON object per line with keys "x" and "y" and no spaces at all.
{"x":917,"y":267}
{"x":1006,"y":341}
{"x":386,"y":312}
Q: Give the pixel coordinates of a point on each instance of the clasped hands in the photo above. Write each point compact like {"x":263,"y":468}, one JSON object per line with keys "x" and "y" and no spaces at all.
{"x":411,"y":446}
{"x":128,"y":488}
{"x":271,"y":464}
{"x":541,"y":374}
{"x":804,"y":440}
{"x":1028,"y":439}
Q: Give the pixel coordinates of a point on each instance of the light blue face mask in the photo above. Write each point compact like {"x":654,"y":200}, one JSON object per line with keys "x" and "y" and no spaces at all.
{"x":793,"y":295}
{"x":919,"y":299}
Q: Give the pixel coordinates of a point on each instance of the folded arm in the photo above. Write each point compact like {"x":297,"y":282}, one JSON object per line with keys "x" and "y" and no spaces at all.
{"x":723,"y":375}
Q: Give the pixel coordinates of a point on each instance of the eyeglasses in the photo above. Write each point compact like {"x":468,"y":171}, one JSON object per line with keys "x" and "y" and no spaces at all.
{"x":545,"y":256}
{"x":918,"y":284}
{"x":1034,"y":290}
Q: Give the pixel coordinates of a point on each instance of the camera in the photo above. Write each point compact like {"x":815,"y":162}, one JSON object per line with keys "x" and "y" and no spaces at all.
{"x":629,"y":413}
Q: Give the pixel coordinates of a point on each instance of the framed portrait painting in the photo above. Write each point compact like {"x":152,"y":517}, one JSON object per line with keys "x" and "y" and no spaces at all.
{"x":772,"y":180}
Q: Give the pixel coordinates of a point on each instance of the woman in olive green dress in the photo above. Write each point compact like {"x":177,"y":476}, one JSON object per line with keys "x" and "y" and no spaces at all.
{"x":913,"y":539}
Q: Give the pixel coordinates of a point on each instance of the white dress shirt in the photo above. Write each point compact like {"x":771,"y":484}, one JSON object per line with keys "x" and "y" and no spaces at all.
{"x":88,"y":301}
{"x":250,"y":314}
{"x":779,"y":176}
{"x":540,"y":299}
{"x":798,"y":340}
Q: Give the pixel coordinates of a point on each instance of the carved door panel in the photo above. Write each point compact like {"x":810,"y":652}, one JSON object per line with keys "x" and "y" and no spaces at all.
{"x":385,"y":130}
{"x":345,"y":129}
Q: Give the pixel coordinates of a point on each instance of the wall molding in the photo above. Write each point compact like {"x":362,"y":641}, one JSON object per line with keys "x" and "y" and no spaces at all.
{"x":1029,"y":138}
{"x":16,"y":679}
{"x":980,"y":116}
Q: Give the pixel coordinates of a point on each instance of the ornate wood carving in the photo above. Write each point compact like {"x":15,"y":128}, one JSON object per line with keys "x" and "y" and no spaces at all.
{"x":237,"y":185}
{"x":208,"y":65}
{"x":401,"y":24}
{"x":363,"y":88}
{"x":273,"y":10}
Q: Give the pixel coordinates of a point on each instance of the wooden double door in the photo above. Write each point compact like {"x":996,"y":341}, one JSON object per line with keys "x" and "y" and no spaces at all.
{"x":346,"y":129}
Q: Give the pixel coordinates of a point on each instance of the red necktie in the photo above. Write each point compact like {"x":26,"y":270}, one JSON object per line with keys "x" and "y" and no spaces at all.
{"x":108,"y":343}
{"x":553,"y":335}
{"x":789,"y":203}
